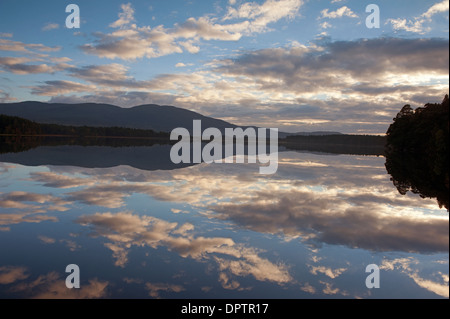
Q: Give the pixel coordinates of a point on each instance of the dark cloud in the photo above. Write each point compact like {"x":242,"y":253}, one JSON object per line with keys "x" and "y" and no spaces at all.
{"x":55,"y":88}
{"x":327,"y":65}
{"x":322,"y":219}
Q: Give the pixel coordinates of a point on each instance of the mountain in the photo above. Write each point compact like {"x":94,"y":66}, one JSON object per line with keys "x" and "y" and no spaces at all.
{"x":150,"y":116}
{"x":154,"y":117}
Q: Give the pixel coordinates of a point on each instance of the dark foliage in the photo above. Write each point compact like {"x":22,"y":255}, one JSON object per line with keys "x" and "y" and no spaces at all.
{"x":417,"y":154}
{"x":13,"y":125}
{"x":337,"y":144}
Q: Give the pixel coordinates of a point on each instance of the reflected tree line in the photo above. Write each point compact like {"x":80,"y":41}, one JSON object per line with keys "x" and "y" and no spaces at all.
{"x":417,"y":155}
{"x":19,"y":135}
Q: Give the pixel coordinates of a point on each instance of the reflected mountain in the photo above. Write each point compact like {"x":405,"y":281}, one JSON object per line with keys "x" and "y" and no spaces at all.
{"x":149,"y":158}
{"x":153,"y":153}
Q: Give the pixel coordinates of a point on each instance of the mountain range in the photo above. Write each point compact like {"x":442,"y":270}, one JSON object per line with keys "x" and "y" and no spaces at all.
{"x":162,"y":118}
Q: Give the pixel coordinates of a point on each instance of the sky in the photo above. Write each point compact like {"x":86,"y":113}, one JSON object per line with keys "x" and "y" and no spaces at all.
{"x":295,"y":65}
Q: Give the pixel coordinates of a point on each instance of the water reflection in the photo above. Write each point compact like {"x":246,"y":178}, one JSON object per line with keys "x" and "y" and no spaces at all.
{"x":218,"y":230}
{"x":420,"y":176}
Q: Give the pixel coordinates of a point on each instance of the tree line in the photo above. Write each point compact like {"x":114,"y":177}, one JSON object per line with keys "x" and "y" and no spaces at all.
{"x":16,"y":126}
{"x":417,"y":150}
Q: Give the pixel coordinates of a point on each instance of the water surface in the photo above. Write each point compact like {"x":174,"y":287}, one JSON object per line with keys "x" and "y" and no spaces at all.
{"x":139,"y":226}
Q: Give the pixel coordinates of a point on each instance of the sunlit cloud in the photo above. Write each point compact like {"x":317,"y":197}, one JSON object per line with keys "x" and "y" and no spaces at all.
{"x":332,"y":273}
{"x":51,"y":286}
{"x":22,"y":207}
{"x":124,"y":230}
{"x":314,"y":209}
{"x":417,"y":24}
{"x":131,"y":42}
{"x":11,"y":274}
{"x":301,"y":87}
{"x":46,"y":240}
{"x":339,"y":13}
{"x":50,"y":26}
{"x":154,"y":289}
{"x":437,"y":285}
{"x":18,"y":46}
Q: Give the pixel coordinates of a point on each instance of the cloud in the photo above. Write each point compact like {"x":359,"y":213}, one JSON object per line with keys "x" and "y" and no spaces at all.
{"x":261,"y":15}
{"x":336,"y":79}
{"x":18,"y":65}
{"x":17,"y":46}
{"x":11,"y":274}
{"x":54,"y":180}
{"x":50,"y":26}
{"x":376,"y":219}
{"x":124,"y":230}
{"x":25,"y":212}
{"x":51,"y":286}
{"x":131,"y":42}
{"x":416,"y":25}
{"x":339,"y":13}
{"x":408,"y":25}
{"x":6,"y":97}
{"x":436,"y":8}
{"x":125,"y":17}
{"x":112,"y":75}
{"x":321,"y":219}
{"x":406,"y":266}
{"x":329,"y":290}
{"x":154,"y":289}
{"x":332,"y":273}
{"x":325,"y":25}
{"x":60,"y":87}
{"x":46,"y":240}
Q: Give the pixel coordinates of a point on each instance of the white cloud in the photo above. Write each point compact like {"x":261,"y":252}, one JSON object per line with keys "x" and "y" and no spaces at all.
{"x":125,"y":17}
{"x":124,"y":230}
{"x":339,"y":13}
{"x":405,"y":265}
{"x":408,"y":25}
{"x":50,"y":26}
{"x":325,"y":25}
{"x":332,"y":273}
{"x":416,"y":25}
{"x":132,"y":42}
{"x":436,"y":8}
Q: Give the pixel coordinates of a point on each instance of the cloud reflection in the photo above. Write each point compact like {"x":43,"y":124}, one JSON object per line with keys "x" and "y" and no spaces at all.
{"x":339,"y":200}
{"x":48,"y":286}
{"x":125,"y":230}
{"x":438,"y":286}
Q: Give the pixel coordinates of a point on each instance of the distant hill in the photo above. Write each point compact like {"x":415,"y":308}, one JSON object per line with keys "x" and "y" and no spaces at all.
{"x":318,"y":133}
{"x":149,"y":117}
{"x":153,"y":117}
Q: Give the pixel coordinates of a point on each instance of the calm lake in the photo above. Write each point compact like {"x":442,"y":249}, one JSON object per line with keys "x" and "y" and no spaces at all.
{"x":139,"y":226}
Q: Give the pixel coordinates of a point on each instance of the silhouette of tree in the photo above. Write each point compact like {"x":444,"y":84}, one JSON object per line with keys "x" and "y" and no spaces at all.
{"x":417,"y":154}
